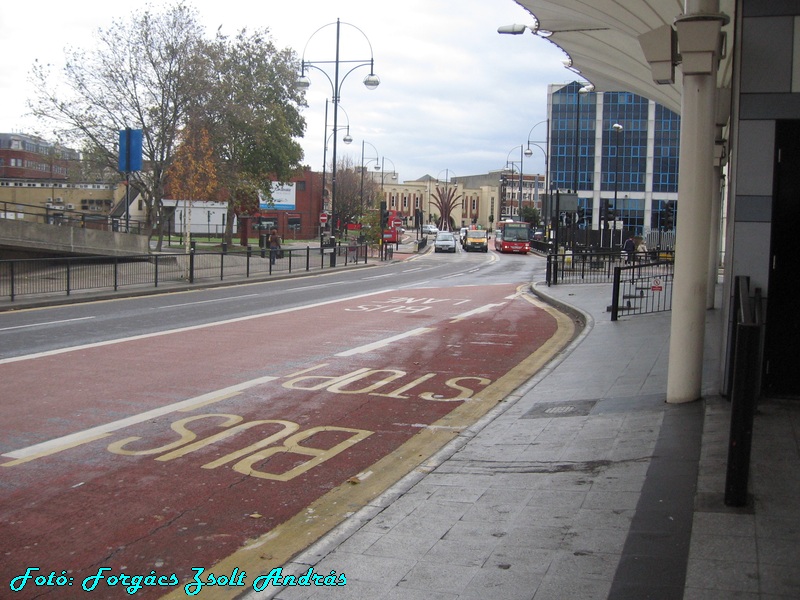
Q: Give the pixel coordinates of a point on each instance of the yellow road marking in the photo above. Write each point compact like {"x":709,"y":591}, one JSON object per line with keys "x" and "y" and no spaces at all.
{"x":277,"y":547}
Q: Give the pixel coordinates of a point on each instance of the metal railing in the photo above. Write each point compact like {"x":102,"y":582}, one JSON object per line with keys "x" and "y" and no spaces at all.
{"x":642,"y":288}
{"x":61,"y":216}
{"x":744,"y":372}
{"x":32,"y":277}
{"x":595,"y":266}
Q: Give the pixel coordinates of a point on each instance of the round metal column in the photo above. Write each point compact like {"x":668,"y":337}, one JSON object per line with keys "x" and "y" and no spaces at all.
{"x":698,"y":40}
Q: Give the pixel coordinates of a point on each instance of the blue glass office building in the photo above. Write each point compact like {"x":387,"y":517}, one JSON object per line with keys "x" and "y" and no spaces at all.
{"x":634,"y":167}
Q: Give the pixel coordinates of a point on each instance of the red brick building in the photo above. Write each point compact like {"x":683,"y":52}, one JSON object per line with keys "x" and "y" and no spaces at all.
{"x":294,"y":210}
{"x":29,"y":157}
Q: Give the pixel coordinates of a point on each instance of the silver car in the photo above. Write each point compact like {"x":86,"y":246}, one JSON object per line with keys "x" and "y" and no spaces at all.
{"x":444,"y":242}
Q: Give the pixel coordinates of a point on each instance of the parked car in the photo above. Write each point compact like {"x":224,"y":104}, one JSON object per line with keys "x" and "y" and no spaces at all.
{"x":428,"y":228}
{"x":477,"y":239}
{"x":444,"y":242}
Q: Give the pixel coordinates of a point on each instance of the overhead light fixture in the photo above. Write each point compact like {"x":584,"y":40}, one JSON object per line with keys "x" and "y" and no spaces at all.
{"x":372,"y":81}
{"x":518,"y":29}
{"x":514,"y":29}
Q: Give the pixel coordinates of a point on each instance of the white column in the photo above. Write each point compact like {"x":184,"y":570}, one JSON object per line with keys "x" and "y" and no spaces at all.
{"x":698,"y":40}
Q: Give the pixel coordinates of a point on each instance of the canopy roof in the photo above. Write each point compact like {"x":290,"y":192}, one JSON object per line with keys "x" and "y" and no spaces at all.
{"x":600,"y":37}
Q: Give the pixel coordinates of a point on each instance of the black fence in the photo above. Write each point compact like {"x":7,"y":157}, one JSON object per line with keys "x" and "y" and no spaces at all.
{"x":32,"y":277}
{"x":744,"y":365}
{"x":596,"y":266}
{"x":642,"y":288}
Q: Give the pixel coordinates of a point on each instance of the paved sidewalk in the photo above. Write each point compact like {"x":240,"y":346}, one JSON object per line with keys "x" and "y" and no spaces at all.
{"x":584,"y":484}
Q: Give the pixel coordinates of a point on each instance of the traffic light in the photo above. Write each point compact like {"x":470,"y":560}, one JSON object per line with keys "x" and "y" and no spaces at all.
{"x":605,"y":213}
{"x":669,"y":216}
{"x":581,"y":216}
{"x":610,"y":214}
{"x":503,"y":184}
{"x":384,"y":216}
{"x":568,"y":218}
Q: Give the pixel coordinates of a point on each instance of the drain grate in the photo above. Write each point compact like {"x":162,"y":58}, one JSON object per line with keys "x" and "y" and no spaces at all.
{"x":579,"y":408}
{"x":560,"y":410}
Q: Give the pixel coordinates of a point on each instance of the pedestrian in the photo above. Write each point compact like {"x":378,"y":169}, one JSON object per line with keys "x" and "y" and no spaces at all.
{"x":630,"y":249}
{"x":274,"y":245}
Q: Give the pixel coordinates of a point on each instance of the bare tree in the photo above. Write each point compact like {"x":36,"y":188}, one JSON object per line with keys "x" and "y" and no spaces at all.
{"x":354,"y":193}
{"x":142,"y":74}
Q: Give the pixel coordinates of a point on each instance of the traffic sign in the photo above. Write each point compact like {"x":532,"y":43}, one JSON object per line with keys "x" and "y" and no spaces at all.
{"x":323,"y":218}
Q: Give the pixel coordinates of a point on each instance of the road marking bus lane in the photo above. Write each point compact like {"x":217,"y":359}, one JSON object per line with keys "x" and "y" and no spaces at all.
{"x":307,"y":431}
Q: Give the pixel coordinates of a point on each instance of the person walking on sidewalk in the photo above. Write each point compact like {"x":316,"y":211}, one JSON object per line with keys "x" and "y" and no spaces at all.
{"x":274,"y":245}
{"x":630,"y":249}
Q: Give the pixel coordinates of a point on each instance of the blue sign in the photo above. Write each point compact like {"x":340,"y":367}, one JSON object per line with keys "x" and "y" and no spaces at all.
{"x":130,"y":150}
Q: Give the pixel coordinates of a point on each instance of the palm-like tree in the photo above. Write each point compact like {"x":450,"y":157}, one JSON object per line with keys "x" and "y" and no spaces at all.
{"x":446,"y":201}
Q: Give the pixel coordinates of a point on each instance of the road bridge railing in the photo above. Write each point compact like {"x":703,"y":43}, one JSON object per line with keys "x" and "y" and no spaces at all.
{"x":56,"y":276}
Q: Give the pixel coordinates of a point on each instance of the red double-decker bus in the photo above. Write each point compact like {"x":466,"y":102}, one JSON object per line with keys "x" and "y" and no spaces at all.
{"x":512,"y":236}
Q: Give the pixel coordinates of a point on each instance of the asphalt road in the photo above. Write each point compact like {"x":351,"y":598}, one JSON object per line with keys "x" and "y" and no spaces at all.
{"x":229,"y":428}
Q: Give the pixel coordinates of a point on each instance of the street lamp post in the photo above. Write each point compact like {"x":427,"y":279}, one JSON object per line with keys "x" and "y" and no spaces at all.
{"x":362,"y":171}
{"x":529,"y":153}
{"x":383,"y":172}
{"x":581,"y":92}
{"x":346,"y":139}
{"x":383,"y":194}
{"x":371,"y":81}
{"x":617,"y":133}
{"x":519,"y":199}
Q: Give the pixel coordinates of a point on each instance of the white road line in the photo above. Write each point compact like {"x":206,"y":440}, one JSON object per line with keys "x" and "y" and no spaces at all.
{"x":319,"y":285}
{"x":204,"y":301}
{"x":181,"y":329}
{"x":476,"y":311}
{"x":385,"y":342}
{"x":45,"y":323}
{"x":87,"y":435}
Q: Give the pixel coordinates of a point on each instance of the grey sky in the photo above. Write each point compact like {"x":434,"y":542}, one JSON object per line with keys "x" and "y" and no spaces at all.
{"x":455,"y":96}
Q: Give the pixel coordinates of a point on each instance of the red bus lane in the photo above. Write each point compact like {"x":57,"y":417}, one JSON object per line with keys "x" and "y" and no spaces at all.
{"x":236,"y":445}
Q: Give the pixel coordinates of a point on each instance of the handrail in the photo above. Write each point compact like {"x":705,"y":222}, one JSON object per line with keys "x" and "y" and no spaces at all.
{"x":57,"y":276}
{"x":746,"y":349}
{"x":36,"y":213}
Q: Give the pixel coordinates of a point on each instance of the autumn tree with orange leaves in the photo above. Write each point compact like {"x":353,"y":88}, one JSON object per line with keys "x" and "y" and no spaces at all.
{"x":193,"y":174}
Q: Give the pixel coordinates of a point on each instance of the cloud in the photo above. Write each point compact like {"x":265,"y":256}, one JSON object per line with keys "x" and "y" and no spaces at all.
{"x":454,"y":93}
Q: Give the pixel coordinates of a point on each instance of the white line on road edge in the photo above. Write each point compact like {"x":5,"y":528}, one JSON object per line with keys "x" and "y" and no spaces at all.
{"x":82,"y":437}
{"x":385,"y":342}
{"x":476,"y":311}
{"x":45,"y":323}
{"x":181,"y":329}
{"x":204,"y":301}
